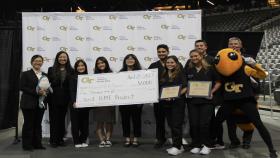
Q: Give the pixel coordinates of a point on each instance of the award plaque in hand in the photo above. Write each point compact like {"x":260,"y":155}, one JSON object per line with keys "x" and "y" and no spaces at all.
{"x":199,"y":89}
{"x":170,"y":92}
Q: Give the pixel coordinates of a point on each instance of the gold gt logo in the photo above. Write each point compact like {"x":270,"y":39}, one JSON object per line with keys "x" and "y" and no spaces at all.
{"x":232,"y":87}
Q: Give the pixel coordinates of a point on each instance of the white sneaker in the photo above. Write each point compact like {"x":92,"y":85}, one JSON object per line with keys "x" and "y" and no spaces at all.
{"x":195,"y":150}
{"x":169,"y":149}
{"x":108,"y":143}
{"x":205,"y":150}
{"x":84,"y":145}
{"x":102,"y":144}
{"x":174,"y":151}
{"x":184,"y":141}
{"x":78,"y":145}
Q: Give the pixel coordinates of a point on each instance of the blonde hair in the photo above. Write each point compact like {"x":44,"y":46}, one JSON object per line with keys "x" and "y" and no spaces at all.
{"x":204,"y":63}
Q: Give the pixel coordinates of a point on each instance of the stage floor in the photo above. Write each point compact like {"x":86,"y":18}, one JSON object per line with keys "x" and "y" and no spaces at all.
{"x":145,"y":150}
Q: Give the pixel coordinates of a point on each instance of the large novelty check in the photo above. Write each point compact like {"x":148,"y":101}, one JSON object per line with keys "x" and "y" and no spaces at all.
{"x":123,"y":88}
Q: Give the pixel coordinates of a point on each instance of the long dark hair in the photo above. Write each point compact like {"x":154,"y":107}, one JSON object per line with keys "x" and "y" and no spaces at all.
{"x":136,"y":65}
{"x":175,"y":72}
{"x":107,"y":66}
{"x":76,"y":66}
{"x":56,"y":65}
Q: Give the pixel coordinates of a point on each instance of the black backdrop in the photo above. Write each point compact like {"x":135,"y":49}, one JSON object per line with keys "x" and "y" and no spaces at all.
{"x":218,"y":40}
{"x":11,"y":61}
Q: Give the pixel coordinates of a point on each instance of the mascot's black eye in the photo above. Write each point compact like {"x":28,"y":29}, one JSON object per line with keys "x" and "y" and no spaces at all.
{"x":217,"y":59}
{"x":232,"y":56}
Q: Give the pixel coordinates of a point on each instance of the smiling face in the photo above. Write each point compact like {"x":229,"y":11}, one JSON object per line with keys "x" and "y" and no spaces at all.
{"x":101,"y":65}
{"x":228,"y":61}
{"x":62,"y":59}
{"x":235,"y":45}
{"x":201,"y":47}
{"x":170,"y":64}
{"x":81,"y":67}
{"x":37,"y":63}
{"x":196,"y":57}
{"x":130,"y":61}
{"x":162,"y":53}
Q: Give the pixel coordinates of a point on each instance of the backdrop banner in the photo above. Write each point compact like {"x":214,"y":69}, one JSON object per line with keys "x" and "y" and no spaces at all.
{"x":113,"y":35}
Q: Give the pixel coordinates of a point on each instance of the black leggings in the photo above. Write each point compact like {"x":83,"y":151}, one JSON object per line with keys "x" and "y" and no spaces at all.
{"x":248,"y":106}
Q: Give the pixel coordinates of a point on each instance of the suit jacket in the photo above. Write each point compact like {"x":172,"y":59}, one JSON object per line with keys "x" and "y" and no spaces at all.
{"x":28,"y":84}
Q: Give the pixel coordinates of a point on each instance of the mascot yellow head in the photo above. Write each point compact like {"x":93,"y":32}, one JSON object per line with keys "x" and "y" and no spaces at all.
{"x":228,"y":61}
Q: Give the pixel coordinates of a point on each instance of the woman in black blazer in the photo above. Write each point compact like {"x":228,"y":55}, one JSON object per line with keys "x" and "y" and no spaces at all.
{"x":59,"y":75}
{"x":79,"y":116}
{"x":29,"y":104}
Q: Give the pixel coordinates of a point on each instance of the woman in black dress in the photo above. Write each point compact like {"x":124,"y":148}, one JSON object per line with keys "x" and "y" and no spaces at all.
{"x":59,"y":74}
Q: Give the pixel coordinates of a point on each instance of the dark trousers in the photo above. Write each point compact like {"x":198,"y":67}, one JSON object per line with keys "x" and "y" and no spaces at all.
{"x":57,"y":114}
{"x":200,"y":117}
{"x":175,"y":112}
{"x":79,"y":124}
{"x":160,"y":121}
{"x":128,"y":113}
{"x":232,"y":127}
{"x":248,"y":106}
{"x":32,"y":129}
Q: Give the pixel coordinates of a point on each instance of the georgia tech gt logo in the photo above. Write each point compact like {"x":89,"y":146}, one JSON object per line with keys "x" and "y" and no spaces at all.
{"x":63,"y":28}
{"x":112,"y":17}
{"x":87,"y":80}
{"x":79,"y":17}
{"x":98,"y":49}
{"x":46,"y":18}
{"x":165,"y":27}
{"x":181,"y":37}
{"x":148,"y":17}
{"x":63,"y":49}
{"x":97,"y":28}
{"x":30,"y":49}
{"x":46,"y":38}
{"x":46,"y":59}
{"x":79,"y":38}
{"x":181,"y":16}
{"x":232,"y":87}
{"x":148,"y":37}
{"x":148,"y":59}
{"x":130,"y":27}
{"x":113,"y":59}
{"x":131,"y":48}
{"x":113,"y":38}
{"x":31,"y":28}
{"x":181,"y":58}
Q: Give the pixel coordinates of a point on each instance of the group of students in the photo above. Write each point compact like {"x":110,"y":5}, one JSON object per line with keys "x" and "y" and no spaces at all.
{"x":63,"y":80}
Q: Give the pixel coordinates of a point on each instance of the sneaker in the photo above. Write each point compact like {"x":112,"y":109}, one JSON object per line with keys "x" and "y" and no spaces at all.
{"x":78,"y":145}
{"x":184,"y":141}
{"x":175,"y":151}
{"x":219,"y":146}
{"x":234,"y":145}
{"x":205,"y":150}
{"x":195,"y":150}
{"x":246,"y":146}
{"x":102,"y":144}
{"x":273,"y":154}
{"x":108,"y":143}
{"x":84,"y":145}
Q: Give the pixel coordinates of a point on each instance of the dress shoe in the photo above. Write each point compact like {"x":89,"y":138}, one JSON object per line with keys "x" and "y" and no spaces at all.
{"x":40,"y":147}
{"x":27,"y":148}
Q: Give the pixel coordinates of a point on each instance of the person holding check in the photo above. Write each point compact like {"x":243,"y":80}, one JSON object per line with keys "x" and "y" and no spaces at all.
{"x":203,"y":82}
{"x":173,"y":88}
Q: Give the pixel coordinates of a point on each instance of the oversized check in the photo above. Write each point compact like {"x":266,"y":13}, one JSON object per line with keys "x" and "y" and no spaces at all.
{"x":123,"y":88}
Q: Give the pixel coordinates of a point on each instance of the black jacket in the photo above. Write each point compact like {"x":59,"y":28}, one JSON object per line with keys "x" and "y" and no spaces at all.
{"x":28,"y":84}
{"x":60,"y":95}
